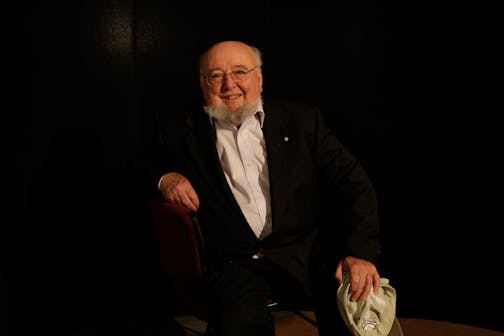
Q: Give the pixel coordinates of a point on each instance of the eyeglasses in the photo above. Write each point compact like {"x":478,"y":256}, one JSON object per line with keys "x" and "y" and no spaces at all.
{"x":239,"y":76}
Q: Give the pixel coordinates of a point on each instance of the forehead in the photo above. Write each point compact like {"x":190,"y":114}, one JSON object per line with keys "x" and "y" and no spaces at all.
{"x":229,"y":55}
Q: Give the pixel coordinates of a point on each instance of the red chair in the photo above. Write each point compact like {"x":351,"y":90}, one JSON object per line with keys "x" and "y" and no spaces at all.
{"x":181,"y":251}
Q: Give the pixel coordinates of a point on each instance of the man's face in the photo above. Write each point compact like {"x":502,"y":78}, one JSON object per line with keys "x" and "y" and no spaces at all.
{"x":221,"y":63}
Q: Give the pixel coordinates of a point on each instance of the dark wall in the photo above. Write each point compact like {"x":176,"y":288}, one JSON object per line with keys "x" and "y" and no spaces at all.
{"x":84,"y":253}
{"x":411,"y":90}
{"x":442,"y":69}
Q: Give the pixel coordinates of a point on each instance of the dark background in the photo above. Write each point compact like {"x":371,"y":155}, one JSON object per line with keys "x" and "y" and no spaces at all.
{"x":411,"y":88}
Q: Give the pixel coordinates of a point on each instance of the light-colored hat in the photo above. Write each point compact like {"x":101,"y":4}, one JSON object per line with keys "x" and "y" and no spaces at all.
{"x":374,"y":317}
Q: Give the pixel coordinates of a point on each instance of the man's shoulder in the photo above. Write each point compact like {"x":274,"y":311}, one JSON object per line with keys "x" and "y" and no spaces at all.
{"x":290,"y":109}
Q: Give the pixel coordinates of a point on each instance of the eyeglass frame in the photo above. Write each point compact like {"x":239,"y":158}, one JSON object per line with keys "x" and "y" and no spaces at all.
{"x":225,"y":74}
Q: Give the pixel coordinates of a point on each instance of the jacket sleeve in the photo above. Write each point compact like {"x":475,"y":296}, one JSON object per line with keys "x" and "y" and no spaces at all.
{"x":158,"y":154}
{"x":351,"y":191}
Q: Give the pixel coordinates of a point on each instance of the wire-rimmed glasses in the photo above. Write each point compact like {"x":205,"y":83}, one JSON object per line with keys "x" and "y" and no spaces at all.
{"x":239,"y":76}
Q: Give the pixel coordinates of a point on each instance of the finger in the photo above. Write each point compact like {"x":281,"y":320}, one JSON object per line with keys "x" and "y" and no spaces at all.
{"x":169,"y":196}
{"x":188,"y":197}
{"x":173,"y":198}
{"x":191,"y":194}
{"x":356,"y":295}
{"x":356,"y":287}
{"x":170,"y":193}
{"x":188,"y":202}
{"x":367,"y":288}
{"x":376,"y":283}
{"x":339,"y":276}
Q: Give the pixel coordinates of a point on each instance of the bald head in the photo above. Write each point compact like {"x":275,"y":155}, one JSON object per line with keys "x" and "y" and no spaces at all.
{"x":230,"y":77}
{"x":230,"y":47}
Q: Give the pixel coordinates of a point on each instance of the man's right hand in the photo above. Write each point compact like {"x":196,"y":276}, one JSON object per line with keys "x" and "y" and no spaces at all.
{"x":177,"y":189}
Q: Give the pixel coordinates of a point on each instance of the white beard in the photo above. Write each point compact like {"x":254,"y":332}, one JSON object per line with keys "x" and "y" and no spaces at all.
{"x":236,"y":118}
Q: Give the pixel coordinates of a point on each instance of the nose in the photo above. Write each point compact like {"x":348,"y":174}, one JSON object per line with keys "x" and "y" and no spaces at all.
{"x":228,"y":81}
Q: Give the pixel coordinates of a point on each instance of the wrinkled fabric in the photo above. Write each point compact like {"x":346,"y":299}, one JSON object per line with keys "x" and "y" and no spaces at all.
{"x":373,"y":317}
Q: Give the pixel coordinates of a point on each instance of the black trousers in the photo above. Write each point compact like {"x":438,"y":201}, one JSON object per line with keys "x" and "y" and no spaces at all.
{"x":239,"y":291}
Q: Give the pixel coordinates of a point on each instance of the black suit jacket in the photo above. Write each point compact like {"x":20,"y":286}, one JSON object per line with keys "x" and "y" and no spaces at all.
{"x":307,"y":166}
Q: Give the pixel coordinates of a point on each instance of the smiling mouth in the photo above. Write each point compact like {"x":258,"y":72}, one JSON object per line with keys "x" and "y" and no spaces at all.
{"x":232,"y":97}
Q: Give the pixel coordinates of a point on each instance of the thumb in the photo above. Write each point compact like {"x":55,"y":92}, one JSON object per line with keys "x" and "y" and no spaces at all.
{"x":339,"y":273}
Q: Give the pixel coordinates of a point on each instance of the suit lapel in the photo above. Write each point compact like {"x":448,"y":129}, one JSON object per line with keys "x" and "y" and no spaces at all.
{"x":279,"y":151}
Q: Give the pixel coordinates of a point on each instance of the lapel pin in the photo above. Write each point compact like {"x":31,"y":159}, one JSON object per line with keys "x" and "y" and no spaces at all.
{"x":286,"y":138}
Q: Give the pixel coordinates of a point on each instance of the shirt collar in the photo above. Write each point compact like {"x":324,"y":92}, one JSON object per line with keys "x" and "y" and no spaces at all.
{"x":260,"y":114}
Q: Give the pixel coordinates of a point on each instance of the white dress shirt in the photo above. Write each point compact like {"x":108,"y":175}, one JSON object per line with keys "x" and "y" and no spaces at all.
{"x":242,"y":154}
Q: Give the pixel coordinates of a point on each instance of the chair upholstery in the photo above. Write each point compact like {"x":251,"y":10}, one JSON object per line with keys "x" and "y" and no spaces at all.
{"x":181,"y":250}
